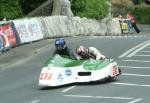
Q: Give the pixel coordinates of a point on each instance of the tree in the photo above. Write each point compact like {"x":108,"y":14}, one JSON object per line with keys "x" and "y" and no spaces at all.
{"x":89,"y":8}
{"x":29,"y":5}
{"x":10,"y":9}
{"x":147,"y":2}
{"x":78,"y":6}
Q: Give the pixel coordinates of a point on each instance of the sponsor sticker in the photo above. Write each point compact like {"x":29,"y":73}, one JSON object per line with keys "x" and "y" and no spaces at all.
{"x":60,"y":76}
{"x":114,"y":69}
{"x":68,"y":72}
{"x":45,"y":76}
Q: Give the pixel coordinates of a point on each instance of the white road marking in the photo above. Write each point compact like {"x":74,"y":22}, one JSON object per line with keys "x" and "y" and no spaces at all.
{"x":2,"y":65}
{"x":136,"y":60}
{"x":83,"y":96}
{"x":138,"y":75}
{"x":142,"y":55}
{"x":77,"y":39}
{"x":16,"y":62}
{"x":42,"y":48}
{"x":68,"y":89}
{"x":131,"y":84}
{"x":113,"y":97}
{"x":103,"y":97}
{"x":135,"y":67}
{"x":132,"y":49}
{"x":136,"y":100}
{"x":145,"y":51}
{"x":35,"y":101}
{"x":141,"y":48}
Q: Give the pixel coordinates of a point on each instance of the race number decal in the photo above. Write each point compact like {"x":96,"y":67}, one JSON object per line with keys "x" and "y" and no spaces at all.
{"x":45,"y":76}
{"x":114,"y":69}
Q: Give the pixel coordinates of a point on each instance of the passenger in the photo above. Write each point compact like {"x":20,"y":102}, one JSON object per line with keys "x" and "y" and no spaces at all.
{"x":90,"y":52}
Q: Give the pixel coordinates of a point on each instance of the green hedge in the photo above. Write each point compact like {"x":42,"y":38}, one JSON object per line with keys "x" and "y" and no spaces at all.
{"x":89,"y":8}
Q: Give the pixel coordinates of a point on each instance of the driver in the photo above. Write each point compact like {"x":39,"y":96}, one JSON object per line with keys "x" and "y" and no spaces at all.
{"x":62,"y":49}
{"x":90,"y":52}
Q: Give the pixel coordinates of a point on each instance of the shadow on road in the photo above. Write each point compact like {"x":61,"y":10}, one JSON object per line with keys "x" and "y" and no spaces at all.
{"x":103,"y":82}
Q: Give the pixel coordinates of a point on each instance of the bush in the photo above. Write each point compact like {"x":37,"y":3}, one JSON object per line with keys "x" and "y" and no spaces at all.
{"x":142,"y":14}
{"x":89,"y":8}
{"x":10,"y":9}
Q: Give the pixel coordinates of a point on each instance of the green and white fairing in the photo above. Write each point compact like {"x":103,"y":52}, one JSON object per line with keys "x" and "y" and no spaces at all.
{"x":60,"y":71}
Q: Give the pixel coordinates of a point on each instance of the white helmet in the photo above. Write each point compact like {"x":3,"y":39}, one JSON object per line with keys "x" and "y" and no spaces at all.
{"x":82,"y":52}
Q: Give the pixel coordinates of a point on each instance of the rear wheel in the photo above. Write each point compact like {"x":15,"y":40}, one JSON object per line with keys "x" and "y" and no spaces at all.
{"x":120,"y":72}
{"x":111,"y":79}
{"x":114,"y":78}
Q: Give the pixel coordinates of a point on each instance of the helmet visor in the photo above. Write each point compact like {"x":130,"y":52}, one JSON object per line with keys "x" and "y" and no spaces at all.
{"x":83,"y":54}
{"x":59,"y":47}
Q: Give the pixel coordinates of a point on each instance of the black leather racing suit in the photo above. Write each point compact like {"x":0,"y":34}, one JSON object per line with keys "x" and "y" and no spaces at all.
{"x":65,"y":52}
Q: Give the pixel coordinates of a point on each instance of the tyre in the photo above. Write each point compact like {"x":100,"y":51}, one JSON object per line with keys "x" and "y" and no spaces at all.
{"x":111,"y":79}
{"x":120,"y":72}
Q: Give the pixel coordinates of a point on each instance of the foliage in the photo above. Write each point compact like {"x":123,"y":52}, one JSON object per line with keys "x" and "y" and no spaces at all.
{"x":10,"y":9}
{"x":97,"y":9}
{"x":78,"y":6}
{"x":89,"y":8}
{"x":140,"y":11}
{"x":142,"y":15}
{"x":28,"y":5}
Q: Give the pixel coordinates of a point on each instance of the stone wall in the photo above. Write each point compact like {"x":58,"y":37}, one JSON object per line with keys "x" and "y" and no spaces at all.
{"x":53,"y":7}
{"x":62,"y":26}
{"x":61,"y":21}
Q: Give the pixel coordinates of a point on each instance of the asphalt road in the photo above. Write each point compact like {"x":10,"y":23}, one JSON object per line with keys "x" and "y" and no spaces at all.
{"x":20,"y":69}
